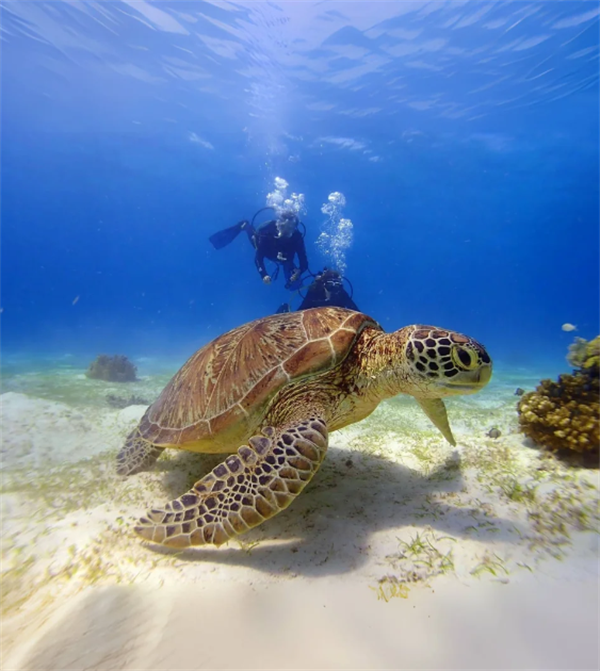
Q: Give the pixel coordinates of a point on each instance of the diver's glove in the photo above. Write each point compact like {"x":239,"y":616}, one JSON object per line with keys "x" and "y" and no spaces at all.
{"x":267,"y":279}
{"x":294,"y":276}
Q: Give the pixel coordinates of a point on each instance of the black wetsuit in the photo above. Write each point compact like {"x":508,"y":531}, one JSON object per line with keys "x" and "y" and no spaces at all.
{"x":327,"y":294}
{"x":278,"y":249}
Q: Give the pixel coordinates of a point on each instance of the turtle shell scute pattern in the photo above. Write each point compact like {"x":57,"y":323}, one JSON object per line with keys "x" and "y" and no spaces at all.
{"x":232,"y":376}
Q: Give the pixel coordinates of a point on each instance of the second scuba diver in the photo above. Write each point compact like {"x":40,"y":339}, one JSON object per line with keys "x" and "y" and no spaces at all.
{"x":326,"y":290}
{"x":278,"y":240}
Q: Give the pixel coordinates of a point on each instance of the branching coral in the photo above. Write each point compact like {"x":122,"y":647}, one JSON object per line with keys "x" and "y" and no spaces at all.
{"x":585,"y":355}
{"x":562,"y":415}
{"x":116,"y":368}
{"x":565,"y":415}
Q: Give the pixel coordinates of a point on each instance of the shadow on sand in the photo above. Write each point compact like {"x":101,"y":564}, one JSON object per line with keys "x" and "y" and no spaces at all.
{"x":328,"y":529}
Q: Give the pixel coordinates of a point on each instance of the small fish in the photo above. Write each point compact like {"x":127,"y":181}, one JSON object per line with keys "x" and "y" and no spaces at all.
{"x":494,"y":433}
{"x":75,"y":300}
{"x":519,"y":391}
{"x":568,"y":327}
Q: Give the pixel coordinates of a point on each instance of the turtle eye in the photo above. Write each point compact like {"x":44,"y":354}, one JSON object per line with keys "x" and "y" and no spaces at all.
{"x":464,"y":358}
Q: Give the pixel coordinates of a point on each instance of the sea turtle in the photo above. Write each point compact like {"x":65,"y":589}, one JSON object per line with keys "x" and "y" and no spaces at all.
{"x":278,"y":386}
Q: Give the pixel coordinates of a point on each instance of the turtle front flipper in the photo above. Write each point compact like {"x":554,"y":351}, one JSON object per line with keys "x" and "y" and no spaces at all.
{"x":435,"y":409}
{"x":137,"y":454}
{"x":249,"y":487}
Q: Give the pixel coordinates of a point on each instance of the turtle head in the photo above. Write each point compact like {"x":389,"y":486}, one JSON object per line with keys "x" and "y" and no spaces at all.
{"x":445,"y":363}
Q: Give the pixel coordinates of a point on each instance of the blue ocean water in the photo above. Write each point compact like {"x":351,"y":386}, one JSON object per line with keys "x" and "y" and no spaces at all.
{"x":463,"y":135}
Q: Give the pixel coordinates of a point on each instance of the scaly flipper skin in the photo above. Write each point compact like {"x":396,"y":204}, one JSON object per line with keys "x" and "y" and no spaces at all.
{"x":435,"y":409}
{"x":258,"y":482}
{"x":137,"y":454}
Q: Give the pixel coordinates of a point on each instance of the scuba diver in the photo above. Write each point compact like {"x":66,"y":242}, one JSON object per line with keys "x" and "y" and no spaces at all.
{"x":278,"y":240}
{"x":327,"y":289}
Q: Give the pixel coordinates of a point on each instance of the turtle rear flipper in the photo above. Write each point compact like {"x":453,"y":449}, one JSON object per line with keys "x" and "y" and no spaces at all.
{"x":137,"y":454}
{"x":249,"y":487}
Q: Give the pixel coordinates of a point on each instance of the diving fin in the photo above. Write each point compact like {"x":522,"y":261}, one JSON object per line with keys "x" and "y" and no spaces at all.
{"x":435,"y":409}
{"x":222,"y":238}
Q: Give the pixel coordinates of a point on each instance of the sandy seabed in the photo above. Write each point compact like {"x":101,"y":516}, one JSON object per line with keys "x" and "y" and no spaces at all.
{"x":403,"y":552}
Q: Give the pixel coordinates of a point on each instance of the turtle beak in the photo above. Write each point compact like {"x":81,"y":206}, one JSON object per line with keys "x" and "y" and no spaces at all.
{"x":470,"y":381}
{"x":485,"y":375}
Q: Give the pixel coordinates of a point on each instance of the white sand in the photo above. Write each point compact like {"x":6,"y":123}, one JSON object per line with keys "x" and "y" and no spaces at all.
{"x":402,"y":553}
{"x":538,"y":623}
